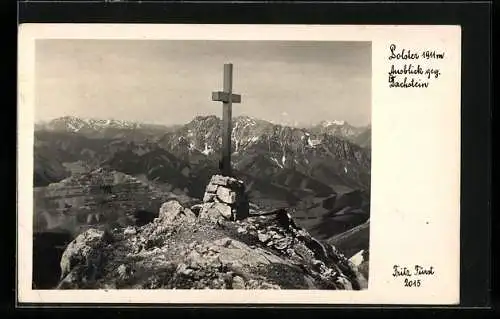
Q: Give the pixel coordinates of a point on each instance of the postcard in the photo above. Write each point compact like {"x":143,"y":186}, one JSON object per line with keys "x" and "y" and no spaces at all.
{"x":229,"y":164}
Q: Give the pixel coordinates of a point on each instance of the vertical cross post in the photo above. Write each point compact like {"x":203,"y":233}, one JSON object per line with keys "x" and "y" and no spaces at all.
{"x":227,"y":116}
{"x":227,"y":98}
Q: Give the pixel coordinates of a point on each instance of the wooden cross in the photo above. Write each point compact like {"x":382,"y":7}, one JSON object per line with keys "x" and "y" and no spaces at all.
{"x":227,"y":98}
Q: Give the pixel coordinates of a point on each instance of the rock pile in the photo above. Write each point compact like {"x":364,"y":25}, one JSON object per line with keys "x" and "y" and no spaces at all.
{"x":225,"y":197}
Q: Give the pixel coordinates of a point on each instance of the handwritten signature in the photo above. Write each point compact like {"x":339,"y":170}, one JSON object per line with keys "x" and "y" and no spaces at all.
{"x":416,"y":270}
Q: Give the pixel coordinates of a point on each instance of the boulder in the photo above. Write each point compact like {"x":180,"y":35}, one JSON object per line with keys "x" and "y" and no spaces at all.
{"x":173,"y":210}
{"x":170,"y":210}
{"x":215,"y":211}
{"x":224,"y":210}
{"x":85,"y":250}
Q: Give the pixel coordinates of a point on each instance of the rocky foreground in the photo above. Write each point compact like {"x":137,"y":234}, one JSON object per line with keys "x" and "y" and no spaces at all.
{"x":207,"y":246}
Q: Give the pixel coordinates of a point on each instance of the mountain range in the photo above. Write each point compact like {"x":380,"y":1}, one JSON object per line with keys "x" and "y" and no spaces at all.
{"x":281,"y":165}
{"x":322,"y":172}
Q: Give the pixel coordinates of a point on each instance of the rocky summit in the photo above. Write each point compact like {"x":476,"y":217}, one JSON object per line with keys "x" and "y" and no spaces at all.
{"x":183,"y":249}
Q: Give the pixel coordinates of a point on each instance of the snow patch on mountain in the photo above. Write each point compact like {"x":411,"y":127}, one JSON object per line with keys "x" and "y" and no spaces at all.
{"x":313,"y":142}
{"x":74,"y":127}
{"x":334,"y":122}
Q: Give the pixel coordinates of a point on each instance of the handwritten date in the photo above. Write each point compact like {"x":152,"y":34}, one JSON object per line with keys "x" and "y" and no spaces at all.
{"x":412,"y":283}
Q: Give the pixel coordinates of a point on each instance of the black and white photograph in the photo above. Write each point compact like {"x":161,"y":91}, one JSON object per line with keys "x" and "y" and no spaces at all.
{"x":201,"y":164}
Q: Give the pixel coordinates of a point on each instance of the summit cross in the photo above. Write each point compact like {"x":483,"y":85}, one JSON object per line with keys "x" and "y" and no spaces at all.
{"x":227,"y":98}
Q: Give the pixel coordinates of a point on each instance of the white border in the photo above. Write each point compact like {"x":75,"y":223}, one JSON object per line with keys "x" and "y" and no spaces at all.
{"x":400,"y":177}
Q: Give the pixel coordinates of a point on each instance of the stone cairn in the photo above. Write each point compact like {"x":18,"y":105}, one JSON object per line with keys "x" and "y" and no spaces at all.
{"x":225,"y":197}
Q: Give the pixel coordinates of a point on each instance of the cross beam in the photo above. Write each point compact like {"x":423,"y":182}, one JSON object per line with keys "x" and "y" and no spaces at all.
{"x":227,"y":98}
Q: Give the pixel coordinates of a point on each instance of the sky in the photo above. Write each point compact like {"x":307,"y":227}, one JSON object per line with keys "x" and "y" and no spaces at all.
{"x":171,"y":82}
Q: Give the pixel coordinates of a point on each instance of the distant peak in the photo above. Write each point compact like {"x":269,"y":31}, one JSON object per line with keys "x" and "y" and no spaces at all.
{"x":65,"y":118}
{"x":204,"y":120}
{"x":334,"y":122}
{"x":245,"y":117}
{"x":205,"y":117}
